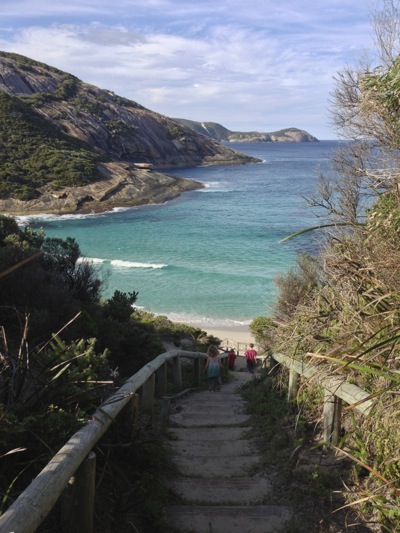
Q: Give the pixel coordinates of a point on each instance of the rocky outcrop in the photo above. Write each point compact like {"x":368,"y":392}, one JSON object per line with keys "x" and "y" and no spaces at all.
{"x":222,"y":134}
{"x":132,"y":142}
{"x":117,"y":127}
{"x":121,"y":186}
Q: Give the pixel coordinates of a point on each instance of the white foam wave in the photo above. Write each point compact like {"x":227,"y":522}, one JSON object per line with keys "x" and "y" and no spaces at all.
{"x":119,"y":263}
{"x":215,"y":186}
{"x":22,"y":221}
{"x":133,"y":264}
{"x":204,"y":322}
{"x":44,"y":217}
{"x":94,"y":260}
{"x":36,"y":219}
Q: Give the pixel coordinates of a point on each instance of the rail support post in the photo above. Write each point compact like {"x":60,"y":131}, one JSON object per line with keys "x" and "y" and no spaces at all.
{"x":177,"y":372}
{"x":196,"y":372}
{"x":294,"y":379}
{"x":273,"y":365}
{"x":162,"y":379}
{"x":77,"y":502}
{"x":148,"y":394}
{"x":132,"y":415}
{"x":332,"y":414}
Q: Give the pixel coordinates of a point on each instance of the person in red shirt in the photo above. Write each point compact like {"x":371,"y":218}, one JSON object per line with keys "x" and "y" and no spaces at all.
{"x":251,"y":358}
{"x":231,"y":359}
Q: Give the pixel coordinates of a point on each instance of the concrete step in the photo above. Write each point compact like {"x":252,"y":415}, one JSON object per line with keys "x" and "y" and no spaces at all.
{"x":229,"y":519}
{"x":217,"y":463}
{"x":222,"y":491}
{"x":216,"y":434}
{"x":225,"y":448}
{"x":190,"y":465}
{"x":206,"y":419}
{"x":221,"y":401}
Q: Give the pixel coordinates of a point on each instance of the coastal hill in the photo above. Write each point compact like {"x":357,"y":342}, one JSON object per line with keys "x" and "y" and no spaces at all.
{"x":68,"y":147}
{"x":222,"y":134}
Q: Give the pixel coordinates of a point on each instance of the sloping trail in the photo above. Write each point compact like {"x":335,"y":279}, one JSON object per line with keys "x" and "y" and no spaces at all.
{"x":220,"y":485}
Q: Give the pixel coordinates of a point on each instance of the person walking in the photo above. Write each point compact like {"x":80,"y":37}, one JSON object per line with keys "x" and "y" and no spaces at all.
{"x":251,"y":358}
{"x":213,"y":368}
{"x":231,"y":359}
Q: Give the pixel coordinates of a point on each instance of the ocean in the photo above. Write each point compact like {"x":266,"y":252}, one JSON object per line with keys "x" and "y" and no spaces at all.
{"x":209,"y":257}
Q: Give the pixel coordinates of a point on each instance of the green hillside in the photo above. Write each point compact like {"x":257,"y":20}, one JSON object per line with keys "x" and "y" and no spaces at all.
{"x":34,"y":153}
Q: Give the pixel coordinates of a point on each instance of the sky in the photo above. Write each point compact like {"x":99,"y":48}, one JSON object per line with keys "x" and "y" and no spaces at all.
{"x":250,"y":65}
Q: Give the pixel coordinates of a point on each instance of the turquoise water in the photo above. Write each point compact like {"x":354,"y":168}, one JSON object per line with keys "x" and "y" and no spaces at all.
{"x":209,"y":257}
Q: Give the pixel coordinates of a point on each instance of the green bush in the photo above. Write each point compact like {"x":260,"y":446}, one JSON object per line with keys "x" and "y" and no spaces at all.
{"x":35,"y":153}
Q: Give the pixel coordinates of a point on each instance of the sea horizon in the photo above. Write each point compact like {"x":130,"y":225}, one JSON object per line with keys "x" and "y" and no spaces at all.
{"x":210,"y":256}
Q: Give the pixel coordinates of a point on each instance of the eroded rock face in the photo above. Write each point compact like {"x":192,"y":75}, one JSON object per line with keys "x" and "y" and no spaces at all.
{"x":121,"y":186}
{"x":115,"y":126}
{"x":121,"y":131}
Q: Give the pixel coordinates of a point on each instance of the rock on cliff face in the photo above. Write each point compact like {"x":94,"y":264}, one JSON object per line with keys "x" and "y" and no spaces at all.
{"x":121,"y":131}
{"x":121,"y":186}
{"x":115,"y":126}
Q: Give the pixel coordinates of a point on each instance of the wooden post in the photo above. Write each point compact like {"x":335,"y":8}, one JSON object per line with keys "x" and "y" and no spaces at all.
{"x":332,"y":417}
{"x":148,"y":393}
{"x":77,"y":503}
{"x":273,"y":365}
{"x":162,"y":380}
{"x":196,"y":372}
{"x":294,"y":379}
{"x":177,"y":371}
{"x":132,"y":415}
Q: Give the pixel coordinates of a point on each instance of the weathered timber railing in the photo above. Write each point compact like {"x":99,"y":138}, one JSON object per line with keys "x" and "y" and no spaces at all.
{"x":336,"y":391}
{"x":239,"y":347}
{"x":72,"y":469}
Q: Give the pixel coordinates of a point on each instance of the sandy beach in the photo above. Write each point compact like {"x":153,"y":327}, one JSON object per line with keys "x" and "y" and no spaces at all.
{"x":237,"y":337}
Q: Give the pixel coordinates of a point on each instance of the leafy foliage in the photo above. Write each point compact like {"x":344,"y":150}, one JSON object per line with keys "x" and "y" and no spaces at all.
{"x":62,"y":349}
{"x":347,"y":320}
{"x":33,"y":153}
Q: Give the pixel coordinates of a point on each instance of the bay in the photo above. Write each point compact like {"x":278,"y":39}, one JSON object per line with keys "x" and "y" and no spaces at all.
{"x":211,"y":256}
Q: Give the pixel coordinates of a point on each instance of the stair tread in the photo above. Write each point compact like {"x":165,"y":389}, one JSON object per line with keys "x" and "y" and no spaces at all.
{"x":235,"y":519}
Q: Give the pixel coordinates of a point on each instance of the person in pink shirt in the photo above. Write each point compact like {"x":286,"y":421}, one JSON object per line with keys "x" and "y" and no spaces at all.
{"x":251,"y":358}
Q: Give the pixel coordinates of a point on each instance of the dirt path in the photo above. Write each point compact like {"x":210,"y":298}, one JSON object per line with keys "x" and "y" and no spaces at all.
{"x":218,"y":484}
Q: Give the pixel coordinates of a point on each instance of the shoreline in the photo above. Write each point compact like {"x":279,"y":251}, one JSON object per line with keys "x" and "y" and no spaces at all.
{"x":235,"y":334}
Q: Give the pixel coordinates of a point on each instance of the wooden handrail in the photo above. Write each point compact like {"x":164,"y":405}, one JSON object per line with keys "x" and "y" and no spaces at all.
{"x":35,"y":503}
{"x":336,"y":389}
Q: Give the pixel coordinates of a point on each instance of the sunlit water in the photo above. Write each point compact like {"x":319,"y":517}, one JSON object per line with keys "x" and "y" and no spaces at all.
{"x":209,"y":257}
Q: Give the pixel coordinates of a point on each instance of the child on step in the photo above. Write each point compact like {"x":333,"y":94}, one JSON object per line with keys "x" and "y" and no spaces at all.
{"x":213,"y":368}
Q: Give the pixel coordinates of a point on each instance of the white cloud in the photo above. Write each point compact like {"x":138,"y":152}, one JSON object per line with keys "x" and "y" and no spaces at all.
{"x":258,"y":65}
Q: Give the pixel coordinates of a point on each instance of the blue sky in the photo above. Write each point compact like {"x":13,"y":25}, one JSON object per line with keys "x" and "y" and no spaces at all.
{"x":255,"y":65}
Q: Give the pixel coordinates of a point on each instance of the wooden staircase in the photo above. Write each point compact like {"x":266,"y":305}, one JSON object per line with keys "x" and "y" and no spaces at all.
{"x":220,"y":485}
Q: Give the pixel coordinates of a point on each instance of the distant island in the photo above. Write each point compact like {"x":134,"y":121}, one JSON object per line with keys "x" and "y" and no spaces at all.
{"x":221,"y":134}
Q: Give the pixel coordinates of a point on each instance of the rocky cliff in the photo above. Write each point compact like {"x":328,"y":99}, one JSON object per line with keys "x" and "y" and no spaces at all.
{"x":220,"y":133}
{"x":114,"y":134}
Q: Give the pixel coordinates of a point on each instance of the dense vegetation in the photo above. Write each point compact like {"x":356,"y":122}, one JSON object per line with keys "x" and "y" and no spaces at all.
{"x":63,"y":350}
{"x":341,"y":309}
{"x":34,"y":153}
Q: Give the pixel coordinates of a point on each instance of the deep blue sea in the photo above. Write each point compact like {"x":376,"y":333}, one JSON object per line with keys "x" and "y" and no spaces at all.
{"x":209,"y":257}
